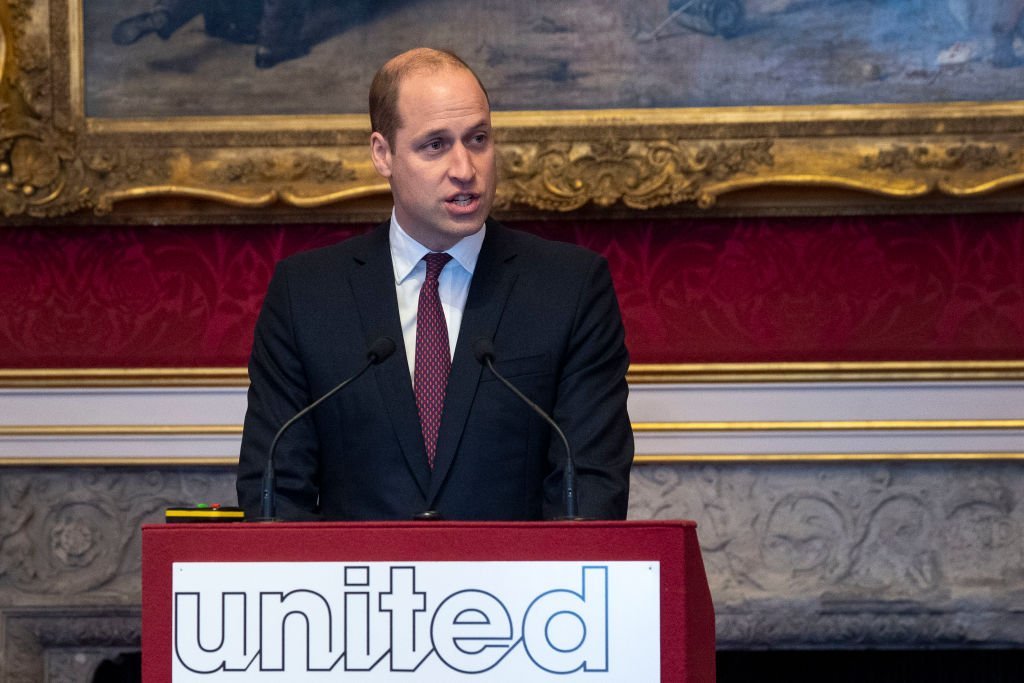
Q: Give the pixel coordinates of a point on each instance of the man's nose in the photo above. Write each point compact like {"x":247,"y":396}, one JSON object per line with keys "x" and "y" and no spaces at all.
{"x":461,"y":168}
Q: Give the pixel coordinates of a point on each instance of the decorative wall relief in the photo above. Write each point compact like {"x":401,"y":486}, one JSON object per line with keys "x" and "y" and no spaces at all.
{"x":881,"y":553}
{"x":71,"y":534}
{"x":70,"y":561}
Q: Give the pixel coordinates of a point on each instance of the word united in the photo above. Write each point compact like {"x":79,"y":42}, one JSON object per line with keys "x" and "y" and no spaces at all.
{"x":485,"y":621}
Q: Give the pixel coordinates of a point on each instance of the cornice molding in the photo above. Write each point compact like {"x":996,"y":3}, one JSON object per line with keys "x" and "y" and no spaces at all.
{"x":640,"y":460}
{"x":826,"y":425}
{"x":806,"y":458}
{"x":641,"y":373}
{"x":642,"y":427}
{"x":835,"y":371}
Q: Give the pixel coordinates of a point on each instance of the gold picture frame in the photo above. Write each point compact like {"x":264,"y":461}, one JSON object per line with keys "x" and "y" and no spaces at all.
{"x":55,"y":162}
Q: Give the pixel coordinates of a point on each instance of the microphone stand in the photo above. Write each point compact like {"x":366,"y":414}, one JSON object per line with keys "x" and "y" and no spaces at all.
{"x":484,"y":352}
{"x":379,"y":351}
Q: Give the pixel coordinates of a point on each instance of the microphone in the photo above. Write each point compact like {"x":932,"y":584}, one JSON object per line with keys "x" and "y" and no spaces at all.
{"x":378,"y":352}
{"x":483,"y":350}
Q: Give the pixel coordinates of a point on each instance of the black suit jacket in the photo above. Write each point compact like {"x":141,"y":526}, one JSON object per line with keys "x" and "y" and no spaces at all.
{"x":551,"y":312}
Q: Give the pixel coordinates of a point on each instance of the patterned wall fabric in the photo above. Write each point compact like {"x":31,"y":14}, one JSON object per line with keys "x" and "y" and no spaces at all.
{"x":764,"y":289}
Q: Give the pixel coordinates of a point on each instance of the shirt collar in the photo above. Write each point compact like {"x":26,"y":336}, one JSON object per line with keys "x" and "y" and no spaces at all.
{"x":406,"y":253}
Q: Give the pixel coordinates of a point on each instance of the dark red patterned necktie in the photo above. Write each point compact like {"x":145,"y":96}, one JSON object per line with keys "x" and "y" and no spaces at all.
{"x":433,"y":357}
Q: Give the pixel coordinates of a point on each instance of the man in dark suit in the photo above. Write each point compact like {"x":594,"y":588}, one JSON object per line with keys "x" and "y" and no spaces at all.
{"x":430,"y":428}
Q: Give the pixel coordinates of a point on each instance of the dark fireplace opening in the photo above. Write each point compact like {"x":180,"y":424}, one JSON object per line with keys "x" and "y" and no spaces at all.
{"x":124,"y":668}
{"x":871,"y":666}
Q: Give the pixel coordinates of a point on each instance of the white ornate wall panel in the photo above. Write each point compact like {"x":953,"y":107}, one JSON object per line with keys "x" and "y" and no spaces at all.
{"x":941,"y":418}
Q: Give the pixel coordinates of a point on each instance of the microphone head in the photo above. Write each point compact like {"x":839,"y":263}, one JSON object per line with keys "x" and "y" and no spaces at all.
{"x":483,"y":350}
{"x":380,"y":350}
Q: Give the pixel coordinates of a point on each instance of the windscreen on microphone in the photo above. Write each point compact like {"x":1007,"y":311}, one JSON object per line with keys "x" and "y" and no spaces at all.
{"x":483,"y":350}
{"x":380,"y":350}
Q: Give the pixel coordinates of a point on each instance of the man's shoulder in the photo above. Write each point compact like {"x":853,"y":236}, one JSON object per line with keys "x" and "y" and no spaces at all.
{"x":541,"y":250}
{"x":334,"y":256}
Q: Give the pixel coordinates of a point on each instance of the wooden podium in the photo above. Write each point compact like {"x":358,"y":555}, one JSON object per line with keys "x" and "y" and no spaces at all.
{"x":596,"y":595}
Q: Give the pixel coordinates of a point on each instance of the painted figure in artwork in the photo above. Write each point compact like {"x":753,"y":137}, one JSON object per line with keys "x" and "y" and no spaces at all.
{"x":275,"y":26}
{"x":1007,"y":28}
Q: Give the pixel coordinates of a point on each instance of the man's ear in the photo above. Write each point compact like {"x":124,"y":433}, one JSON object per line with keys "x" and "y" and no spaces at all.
{"x":380,"y":153}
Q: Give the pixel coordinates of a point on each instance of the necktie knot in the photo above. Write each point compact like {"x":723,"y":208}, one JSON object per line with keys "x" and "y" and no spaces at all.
{"x":436,"y":261}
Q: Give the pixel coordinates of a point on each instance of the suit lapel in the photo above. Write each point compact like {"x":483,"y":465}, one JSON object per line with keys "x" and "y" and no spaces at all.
{"x":492,"y":283}
{"x":373,"y":287}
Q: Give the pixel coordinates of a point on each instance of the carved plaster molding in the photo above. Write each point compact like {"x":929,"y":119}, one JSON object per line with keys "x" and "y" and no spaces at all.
{"x":31,"y":637}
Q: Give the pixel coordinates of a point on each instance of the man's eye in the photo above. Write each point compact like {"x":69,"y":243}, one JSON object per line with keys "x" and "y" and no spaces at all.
{"x":434,"y":145}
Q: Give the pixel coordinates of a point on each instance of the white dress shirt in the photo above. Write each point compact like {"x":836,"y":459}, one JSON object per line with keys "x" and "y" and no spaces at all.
{"x":453,"y":284}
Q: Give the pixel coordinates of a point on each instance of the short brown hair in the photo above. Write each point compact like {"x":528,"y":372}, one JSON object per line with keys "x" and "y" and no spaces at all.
{"x":384,"y":89}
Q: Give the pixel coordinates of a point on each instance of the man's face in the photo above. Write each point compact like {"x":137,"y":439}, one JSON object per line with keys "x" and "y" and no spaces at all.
{"x":441,"y":167}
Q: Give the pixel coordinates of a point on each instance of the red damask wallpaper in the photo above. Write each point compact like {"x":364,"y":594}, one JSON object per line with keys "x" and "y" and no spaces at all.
{"x":767,"y":289}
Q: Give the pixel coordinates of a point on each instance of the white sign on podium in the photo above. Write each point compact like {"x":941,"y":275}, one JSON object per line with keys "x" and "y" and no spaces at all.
{"x":515,"y":622}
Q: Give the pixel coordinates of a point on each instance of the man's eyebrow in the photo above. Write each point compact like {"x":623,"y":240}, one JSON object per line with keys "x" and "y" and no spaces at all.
{"x":435,"y":133}
{"x":445,"y":132}
{"x":483,"y":124}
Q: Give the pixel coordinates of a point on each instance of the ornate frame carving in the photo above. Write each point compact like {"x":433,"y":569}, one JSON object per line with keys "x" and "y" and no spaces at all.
{"x":54,"y":161}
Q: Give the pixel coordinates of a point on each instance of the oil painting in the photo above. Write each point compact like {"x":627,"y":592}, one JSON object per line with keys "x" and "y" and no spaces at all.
{"x":239,"y":57}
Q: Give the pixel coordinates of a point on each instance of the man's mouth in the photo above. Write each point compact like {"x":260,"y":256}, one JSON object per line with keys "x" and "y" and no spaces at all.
{"x":462,"y":200}
{"x":463,"y":204}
